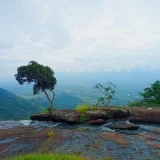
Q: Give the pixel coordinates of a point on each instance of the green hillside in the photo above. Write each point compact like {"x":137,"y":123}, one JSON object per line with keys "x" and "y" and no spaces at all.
{"x":13,"y":107}
{"x":62,"y":101}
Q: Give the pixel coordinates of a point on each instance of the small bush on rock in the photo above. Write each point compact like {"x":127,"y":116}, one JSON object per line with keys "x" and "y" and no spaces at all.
{"x":83,"y":108}
{"x":82,"y":118}
{"x":51,"y":134}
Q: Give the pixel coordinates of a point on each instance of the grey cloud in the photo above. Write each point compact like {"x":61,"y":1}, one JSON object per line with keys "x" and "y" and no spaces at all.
{"x":81,"y":35}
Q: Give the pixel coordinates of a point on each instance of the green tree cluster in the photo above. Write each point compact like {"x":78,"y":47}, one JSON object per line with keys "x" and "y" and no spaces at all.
{"x":150,"y":96}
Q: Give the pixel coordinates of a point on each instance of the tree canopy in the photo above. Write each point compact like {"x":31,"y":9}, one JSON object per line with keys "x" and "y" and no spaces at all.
{"x":41,"y":76}
{"x":150,"y":95}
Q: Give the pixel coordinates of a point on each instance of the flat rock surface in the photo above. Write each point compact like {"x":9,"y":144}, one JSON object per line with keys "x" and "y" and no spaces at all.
{"x":95,"y":142}
{"x":123,"y":125}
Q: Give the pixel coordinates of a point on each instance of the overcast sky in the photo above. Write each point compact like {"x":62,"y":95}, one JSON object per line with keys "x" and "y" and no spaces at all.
{"x":80,"y":35}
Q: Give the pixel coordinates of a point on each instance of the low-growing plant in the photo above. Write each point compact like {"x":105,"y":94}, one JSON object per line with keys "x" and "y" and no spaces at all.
{"x":48,"y":157}
{"x":32,"y":132}
{"x":48,"y":110}
{"x":80,"y":129}
{"x":77,"y":152}
{"x":96,"y":144}
{"x":82,"y":118}
{"x":83,"y":108}
{"x":51,"y":134}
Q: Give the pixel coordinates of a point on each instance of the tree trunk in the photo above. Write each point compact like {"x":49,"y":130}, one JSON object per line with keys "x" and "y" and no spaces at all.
{"x":51,"y":101}
{"x":109,"y":101}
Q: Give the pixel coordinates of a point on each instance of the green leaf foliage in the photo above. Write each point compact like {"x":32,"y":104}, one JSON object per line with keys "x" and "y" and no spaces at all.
{"x":42,"y":76}
{"x":150,"y":96}
{"x":48,"y":157}
{"x":106,"y":91}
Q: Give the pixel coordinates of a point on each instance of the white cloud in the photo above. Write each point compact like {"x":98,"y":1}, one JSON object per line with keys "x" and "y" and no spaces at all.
{"x":81,"y":36}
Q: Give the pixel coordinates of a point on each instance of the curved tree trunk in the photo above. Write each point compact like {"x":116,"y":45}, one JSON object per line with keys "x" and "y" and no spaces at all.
{"x":50,"y":100}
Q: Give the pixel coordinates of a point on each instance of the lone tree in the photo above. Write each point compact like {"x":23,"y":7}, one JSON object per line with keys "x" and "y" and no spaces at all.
{"x":41,"y":76}
{"x":107,"y":92}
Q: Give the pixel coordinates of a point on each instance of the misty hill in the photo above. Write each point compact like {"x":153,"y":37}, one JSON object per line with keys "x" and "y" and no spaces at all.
{"x":15,"y":107}
{"x":62,"y":101}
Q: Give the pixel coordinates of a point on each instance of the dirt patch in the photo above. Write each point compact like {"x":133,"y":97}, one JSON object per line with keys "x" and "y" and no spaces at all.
{"x":46,"y":140}
{"x":14,"y":132}
{"x":153,"y":145}
{"x":116,"y":137}
{"x":3,"y":146}
{"x":148,"y":136}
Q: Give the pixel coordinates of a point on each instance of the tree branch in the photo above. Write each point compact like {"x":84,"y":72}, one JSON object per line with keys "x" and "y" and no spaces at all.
{"x":53,"y":95}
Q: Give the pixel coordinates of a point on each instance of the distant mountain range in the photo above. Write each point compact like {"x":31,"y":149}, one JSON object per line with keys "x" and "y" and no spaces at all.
{"x":13,"y":107}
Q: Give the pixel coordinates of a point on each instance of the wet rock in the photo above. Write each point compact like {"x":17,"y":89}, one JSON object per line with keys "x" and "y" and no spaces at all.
{"x":97,"y":122}
{"x":68,"y":116}
{"x":123,"y":125}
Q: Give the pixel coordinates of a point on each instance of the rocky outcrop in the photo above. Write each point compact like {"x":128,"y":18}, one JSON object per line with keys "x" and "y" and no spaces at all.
{"x":68,"y":116}
{"x":97,"y":122}
{"x":145,"y":115}
{"x":100,"y":114}
{"x":108,"y":113}
{"x":42,"y":117}
{"x":123,"y":125}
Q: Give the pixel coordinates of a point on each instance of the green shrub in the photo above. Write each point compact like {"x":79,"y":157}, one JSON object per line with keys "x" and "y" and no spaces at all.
{"x":48,"y":110}
{"x":83,"y":108}
{"x":82,"y":118}
{"x":51,"y":134}
{"x":47,"y":157}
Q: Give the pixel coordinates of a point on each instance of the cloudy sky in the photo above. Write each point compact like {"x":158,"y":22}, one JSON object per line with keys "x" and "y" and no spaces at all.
{"x":80,"y":35}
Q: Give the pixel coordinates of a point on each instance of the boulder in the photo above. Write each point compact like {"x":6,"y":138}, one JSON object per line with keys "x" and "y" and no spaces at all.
{"x":122,"y":113}
{"x":97,"y":122}
{"x":68,"y":116}
{"x":41,"y":117}
{"x":96,"y":114}
{"x":123,"y":125}
{"x":108,"y":113}
{"x":145,"y":115}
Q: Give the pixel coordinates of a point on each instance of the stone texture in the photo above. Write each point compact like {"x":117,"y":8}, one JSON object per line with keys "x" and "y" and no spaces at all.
{"x":145,"y":115}
{"x":68,"y":116}
{"x":123,"y":125}
{"x":97,"y":122}
{"x":108,"y":113}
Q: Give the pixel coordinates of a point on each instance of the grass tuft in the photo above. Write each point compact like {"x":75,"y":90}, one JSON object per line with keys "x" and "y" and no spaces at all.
{"x":48,"y":157}
{"x":51,"y":134}
{"x":84,"y":108}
